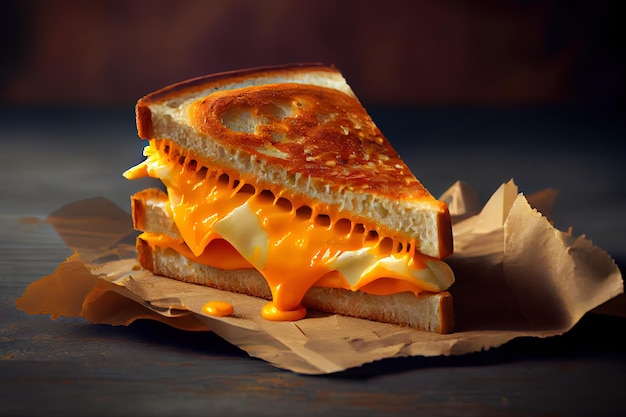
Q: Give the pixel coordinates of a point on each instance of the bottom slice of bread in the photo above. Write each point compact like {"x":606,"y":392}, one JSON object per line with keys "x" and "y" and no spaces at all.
{"x":428,"y":311}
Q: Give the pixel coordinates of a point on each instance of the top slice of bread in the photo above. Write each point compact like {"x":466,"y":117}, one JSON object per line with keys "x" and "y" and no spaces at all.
{"x":301,"y":131}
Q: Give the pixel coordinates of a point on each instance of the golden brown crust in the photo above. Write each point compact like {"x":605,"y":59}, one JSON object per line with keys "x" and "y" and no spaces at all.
{"x":144,"y":122}
{"x":309,"y":130}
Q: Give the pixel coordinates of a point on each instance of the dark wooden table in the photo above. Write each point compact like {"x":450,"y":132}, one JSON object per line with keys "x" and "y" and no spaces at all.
{"x":68,"y":367}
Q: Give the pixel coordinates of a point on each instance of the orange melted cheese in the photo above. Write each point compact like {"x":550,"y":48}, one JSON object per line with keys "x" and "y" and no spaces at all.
{"x":219,"y":253}
{"x":218,"y":308}
{"x":225,"y":220}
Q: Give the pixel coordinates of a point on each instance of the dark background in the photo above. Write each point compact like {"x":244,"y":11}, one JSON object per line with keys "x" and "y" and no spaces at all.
{"x":419,"y":52}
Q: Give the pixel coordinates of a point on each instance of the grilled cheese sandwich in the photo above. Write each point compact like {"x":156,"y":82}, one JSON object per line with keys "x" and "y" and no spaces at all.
{"x":282,"y":173}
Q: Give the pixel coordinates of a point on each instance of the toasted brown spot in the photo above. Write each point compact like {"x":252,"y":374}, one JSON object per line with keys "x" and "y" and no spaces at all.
{"x":336,"y":126}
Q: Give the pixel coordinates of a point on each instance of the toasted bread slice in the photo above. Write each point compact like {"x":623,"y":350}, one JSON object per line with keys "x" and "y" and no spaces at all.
{"x":432,"y":312}
{"x":300,"y":132}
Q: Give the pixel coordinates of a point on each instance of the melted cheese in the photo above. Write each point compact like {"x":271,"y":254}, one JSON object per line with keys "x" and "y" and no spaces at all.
{"x":293,"y":245}
{"x":218,"y":308}
{"x":219,"y":253}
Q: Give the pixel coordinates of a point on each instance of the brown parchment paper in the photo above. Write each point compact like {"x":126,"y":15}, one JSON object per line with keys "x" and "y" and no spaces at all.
{"x":516,"y":275}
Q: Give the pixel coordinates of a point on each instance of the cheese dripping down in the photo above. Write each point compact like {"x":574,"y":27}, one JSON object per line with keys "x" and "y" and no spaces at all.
{"x":230,"y":222}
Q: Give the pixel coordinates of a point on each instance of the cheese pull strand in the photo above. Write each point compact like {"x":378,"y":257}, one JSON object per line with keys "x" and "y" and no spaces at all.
{"x":294,"y":245}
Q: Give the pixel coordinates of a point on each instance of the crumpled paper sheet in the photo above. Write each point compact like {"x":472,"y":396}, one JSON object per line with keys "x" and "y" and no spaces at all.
{"x":516,"y":275}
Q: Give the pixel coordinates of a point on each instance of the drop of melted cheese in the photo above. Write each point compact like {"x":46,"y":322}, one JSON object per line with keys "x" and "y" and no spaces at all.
{"x":218,"y":308}
{"x":230,"y":222}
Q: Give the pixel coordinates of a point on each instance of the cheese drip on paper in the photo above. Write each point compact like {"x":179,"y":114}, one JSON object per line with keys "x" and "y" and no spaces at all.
{"x":292,"y":244}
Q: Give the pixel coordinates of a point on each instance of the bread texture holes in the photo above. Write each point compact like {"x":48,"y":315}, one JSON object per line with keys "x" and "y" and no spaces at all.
{"x":223,"y":180}
{"x":358,"y":228}
{"x":192,"y":165}
{"x":247,"y":189}
{"x":211,"y":175}
{"x":343,"y":226}
{"x":304,"y":213}
{"x":266,"y":196}
{"x":322,"y":220}
{"x":386,"y":245}
{"x":284,"y":204}
{"x":372,"y":236}
{"x":202,"y":172}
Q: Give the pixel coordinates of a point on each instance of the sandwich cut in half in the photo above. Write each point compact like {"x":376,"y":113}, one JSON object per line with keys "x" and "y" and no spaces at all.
{"x":279,"y":185}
